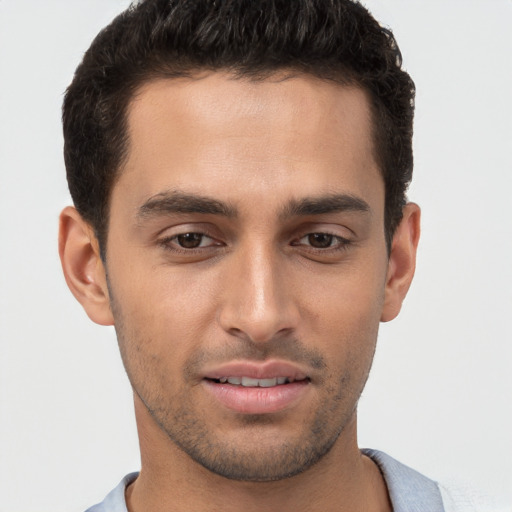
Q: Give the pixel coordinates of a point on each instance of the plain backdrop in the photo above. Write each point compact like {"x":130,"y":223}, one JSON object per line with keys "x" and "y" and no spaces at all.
{"x":439,"y":398}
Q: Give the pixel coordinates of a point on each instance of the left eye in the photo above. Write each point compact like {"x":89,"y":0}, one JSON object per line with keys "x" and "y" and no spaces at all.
{"x":192,"y":240}
{"x":322,"y":240}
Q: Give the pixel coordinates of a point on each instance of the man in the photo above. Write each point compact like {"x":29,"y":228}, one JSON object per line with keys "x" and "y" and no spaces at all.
{"x":239,"y":172}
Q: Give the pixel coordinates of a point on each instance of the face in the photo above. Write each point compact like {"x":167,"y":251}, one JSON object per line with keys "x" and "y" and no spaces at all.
{"x":247,"y":265}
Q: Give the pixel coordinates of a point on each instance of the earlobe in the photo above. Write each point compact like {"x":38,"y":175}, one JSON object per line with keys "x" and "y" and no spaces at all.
{"x":402,"y":261}
{"x":83,"y":268}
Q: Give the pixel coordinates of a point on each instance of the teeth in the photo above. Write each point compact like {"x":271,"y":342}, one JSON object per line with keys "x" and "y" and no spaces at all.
{"x":253,"y":383}
{"x":248,"y":382}
{"x":267,"y":383}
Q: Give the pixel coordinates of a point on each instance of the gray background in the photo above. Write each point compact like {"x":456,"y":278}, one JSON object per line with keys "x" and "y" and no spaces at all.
{"x":439,"y":398}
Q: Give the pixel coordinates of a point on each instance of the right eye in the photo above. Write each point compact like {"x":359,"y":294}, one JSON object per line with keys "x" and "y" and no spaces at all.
{"x":189,"y":241}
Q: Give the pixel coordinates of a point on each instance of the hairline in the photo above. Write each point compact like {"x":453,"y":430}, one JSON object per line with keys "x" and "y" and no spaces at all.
{"x":132,"y":90}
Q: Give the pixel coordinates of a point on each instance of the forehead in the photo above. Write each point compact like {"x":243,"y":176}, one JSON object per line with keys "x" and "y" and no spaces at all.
{"x":215,"y":132}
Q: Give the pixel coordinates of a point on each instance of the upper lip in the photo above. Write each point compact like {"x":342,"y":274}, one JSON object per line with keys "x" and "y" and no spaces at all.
{"x":257,"y":370}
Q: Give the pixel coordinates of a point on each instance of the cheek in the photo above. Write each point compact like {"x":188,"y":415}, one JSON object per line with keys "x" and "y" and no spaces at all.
{"x":344,"y":312}
{"x":348,"y":298}
{"x":161,"y":312}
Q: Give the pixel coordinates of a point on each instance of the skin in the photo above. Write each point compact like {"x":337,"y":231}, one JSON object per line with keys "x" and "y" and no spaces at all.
{"x":278,"y":161}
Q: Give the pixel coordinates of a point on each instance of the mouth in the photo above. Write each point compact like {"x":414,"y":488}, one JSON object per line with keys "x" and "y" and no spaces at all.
{"x":257,"y":388}
{"x":250,"y":382}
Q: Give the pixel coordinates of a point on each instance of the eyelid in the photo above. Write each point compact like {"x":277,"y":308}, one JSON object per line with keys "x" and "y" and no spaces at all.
{"x":166,"y":241}
{"x":326,"y":233}
{"x":333,"y":229}
{"x":166,"y":238}
{"x":342,"y":241}
{"x":204,"y":238}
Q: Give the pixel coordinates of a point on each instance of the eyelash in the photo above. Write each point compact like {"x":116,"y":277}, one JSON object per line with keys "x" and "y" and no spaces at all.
{"x":341,"y":242}
{"x":170,"y":243}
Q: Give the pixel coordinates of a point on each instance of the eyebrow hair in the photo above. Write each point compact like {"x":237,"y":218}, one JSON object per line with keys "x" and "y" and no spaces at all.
{"x":166,"y":203}
{"x":332,"y":203}
{"x":181,"y":202}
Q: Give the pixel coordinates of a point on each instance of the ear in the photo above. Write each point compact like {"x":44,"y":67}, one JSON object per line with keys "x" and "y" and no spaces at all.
{"x":402,"y":261}
{"x":82,"y":265}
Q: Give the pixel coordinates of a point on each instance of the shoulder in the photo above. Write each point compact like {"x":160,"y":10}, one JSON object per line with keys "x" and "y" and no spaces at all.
{"x":115,"y":499}
{"x":410,"y":491}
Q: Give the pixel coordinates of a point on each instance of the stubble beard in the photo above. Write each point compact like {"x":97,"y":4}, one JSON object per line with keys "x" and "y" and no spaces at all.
{"x":259,"y":459}
{"x":253,"y":456}
{"x":262,"y":461}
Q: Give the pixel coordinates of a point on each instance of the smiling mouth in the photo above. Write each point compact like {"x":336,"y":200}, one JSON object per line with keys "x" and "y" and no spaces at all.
{"x":257,"y":389}
{"x":250,"y":382}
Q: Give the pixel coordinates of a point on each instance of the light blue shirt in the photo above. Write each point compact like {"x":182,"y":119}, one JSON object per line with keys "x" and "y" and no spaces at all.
{"x":409,"y":490}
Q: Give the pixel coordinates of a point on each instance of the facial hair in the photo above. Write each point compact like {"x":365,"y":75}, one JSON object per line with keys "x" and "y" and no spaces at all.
{"x":255,"y":454}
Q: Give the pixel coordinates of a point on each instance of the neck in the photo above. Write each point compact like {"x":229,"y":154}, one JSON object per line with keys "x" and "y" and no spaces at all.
{"x":343,"y":480}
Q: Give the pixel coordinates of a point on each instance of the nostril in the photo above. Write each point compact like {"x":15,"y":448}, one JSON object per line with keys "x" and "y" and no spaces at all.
{"x":259,"y":323}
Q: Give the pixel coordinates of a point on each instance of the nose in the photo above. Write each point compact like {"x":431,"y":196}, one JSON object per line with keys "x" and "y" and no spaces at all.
{"x":257,"y":297}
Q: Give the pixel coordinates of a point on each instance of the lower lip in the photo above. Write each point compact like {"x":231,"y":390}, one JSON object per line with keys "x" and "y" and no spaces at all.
{"x":257,"y":400}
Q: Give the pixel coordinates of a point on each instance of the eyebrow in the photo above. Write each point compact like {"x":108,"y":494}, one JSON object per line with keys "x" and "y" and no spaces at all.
{"x":166,"y":203}
{"x":332,"y":203}
{"x":176,"y":202}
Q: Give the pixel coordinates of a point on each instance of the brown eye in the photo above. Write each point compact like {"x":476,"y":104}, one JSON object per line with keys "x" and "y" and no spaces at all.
{"x":320,"y":240}
{"x":190,"y":240}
